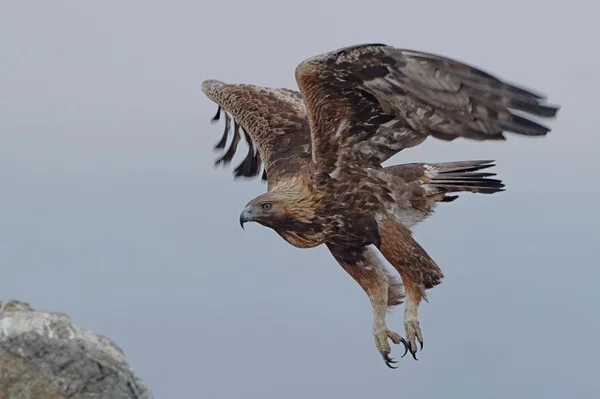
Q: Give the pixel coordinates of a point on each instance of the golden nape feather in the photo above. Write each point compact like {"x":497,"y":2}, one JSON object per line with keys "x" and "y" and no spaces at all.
{"x":323,"y":146}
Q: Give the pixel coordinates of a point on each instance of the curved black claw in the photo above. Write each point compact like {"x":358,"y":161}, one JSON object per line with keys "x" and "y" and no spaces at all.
{"x":421,"y":343}
{"x":406,"y":346}
{"x":413,"y":353}
{"x":389,"y":360}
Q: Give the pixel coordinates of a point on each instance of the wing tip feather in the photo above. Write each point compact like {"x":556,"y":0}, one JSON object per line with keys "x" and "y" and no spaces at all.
{"x":208,"y":84}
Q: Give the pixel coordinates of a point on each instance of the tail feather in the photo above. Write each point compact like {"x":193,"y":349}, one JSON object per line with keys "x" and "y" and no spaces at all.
{"x":463,"y":166}
{"x":448,"y":198}
{"x":440,"y":179}
{"x":463,"y":176}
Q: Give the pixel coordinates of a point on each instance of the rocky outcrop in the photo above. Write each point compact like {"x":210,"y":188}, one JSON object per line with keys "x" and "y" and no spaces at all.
{"x":43,"y":355}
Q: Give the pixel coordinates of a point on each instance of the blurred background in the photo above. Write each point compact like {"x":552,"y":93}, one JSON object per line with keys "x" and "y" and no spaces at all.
{"x":111,"y":210}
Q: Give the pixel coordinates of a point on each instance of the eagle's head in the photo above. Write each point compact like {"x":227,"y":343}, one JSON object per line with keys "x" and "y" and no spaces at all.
{"x":285,"y":207}
{"x":264,"y":210}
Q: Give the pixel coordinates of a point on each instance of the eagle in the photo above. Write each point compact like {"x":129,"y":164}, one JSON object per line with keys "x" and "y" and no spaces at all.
{"x":322,"y":150}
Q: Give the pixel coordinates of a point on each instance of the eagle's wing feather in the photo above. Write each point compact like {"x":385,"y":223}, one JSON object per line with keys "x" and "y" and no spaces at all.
{"x":367,"y":102}
{"x":273,"y":123}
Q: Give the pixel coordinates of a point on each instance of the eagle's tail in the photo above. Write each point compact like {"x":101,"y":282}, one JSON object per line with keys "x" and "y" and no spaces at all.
{"x":439,"y":179}
{"x":449,"y":177}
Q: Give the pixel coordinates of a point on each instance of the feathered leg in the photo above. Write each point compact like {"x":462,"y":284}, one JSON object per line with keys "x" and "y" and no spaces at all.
{"x":383,"y":291}
{"x":418,"y":272}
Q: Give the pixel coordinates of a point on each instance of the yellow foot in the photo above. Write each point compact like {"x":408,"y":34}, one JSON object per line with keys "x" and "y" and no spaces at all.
{"x":413,"y":334}
{"x":381,"y":341}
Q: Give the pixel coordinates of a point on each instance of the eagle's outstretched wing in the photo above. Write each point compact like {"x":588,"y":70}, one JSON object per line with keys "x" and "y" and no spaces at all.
{"x":367,"y":102}
{"x":274,"y":125}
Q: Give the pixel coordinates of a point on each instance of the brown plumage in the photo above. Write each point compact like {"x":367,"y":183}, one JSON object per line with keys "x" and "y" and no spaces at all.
{"x":323,"y":147}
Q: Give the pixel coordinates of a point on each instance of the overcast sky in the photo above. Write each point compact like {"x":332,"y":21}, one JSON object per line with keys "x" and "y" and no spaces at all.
{"x":111,"y":210}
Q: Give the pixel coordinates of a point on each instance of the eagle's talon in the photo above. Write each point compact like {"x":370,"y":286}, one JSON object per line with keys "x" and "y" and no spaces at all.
{"x":381,"y":341}
{"x":406,"y":346}
{"x":413,"y":334}
{"x":389,"y":361}
{"x":413,"y":352}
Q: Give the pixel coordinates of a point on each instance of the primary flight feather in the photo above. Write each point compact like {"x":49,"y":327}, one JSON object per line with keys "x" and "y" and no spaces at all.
{"x":323,"y":147}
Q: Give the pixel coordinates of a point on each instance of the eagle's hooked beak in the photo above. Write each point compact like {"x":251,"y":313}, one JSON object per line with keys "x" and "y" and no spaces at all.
{"x":246,"y":216}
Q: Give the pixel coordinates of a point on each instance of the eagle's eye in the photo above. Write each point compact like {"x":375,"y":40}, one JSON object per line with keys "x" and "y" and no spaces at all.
{"x":266,"y":206}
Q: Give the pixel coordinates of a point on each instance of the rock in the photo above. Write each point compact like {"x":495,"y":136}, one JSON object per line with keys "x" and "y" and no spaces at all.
{"x":43,"y":355}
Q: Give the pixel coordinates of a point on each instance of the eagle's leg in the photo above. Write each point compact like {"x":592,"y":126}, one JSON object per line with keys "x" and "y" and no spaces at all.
{"x":411,"y":321}
{"x":417,"y":270}
{"x":366,"y":269}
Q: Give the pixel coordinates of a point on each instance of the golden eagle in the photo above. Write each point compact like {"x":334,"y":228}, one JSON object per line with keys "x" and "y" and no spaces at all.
{"x":323,"y":149}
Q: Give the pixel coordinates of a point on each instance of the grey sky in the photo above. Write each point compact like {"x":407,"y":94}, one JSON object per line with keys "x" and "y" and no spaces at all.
{"x":112,"y":212}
